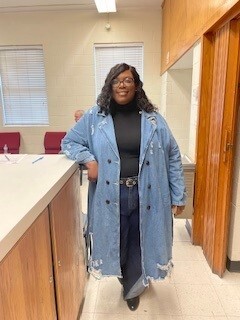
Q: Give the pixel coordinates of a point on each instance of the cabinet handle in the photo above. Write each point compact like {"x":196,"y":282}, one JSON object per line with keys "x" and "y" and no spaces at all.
{"x":51,"y":279}
{"x":59,"y":263}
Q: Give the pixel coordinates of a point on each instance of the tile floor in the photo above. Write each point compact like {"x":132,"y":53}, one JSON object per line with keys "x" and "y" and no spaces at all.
{"x":191,"y":293}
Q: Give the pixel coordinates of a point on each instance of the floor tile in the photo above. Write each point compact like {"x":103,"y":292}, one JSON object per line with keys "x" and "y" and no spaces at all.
{"x":199,"y":300}
{"x":110,"y":298}
{"x":188,"y":272}
{"x":229,"y":296}
{"x":158,"y":317}
{"x":87,"y":316}
{"x":205,"y":318}
{"x":185,"y":251}
{"x":91,"y":295}
{"x":228,"y":277}
{"x":160,"y":299}
{"x":180,"y":232}
{"x":112,"y":316}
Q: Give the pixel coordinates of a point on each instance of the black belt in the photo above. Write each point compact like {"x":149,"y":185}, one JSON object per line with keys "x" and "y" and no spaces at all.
{"x":129,"y":182}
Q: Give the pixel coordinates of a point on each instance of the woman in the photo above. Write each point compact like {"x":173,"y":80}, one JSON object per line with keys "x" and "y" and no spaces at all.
{"x":135,"y":173}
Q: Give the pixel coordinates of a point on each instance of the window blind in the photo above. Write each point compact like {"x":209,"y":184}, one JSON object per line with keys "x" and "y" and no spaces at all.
{"x":22,"y":85}
{"x":106,"y":56}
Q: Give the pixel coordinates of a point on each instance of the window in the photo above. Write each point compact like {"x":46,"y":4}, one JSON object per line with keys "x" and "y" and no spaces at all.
{"x":106,"y":56}
{"x":22,"y":85}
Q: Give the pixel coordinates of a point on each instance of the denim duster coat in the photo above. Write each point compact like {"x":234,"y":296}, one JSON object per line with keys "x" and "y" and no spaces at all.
{"x":160,"y":183}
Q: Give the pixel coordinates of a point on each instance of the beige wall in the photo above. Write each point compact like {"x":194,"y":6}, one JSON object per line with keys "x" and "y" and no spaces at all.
{"x":68,"y":38}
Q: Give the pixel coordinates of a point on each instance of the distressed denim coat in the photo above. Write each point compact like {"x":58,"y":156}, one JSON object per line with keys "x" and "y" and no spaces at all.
{"x":161,"y":184}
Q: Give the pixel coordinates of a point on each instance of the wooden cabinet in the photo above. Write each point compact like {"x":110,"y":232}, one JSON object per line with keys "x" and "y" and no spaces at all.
{"x":26,"y":285}
{"x":43,"y":276}
{"x":177,"y":34}
{"x":165,"y":34}
{"x":185,"y":21}
{"x":68,"y":250}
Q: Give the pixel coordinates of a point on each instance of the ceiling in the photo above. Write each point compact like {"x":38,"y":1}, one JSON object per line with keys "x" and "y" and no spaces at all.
{"x":44,"y":5}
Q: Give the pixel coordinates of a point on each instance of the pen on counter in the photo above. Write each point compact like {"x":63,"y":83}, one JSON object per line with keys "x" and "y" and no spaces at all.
{"x":38,"y":159}
{"x":7,"y":157}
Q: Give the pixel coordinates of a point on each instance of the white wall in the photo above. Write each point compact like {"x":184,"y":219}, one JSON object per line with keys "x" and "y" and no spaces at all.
{"x":68,"y":38}
{"x":180,"y":99}
{"x":176,"y":104}
{"x":234,"y":234}
{"x":194,"y":101}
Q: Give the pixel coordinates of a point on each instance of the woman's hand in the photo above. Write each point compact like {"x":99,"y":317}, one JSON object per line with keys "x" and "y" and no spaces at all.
{"x":176,"y":210}
{"x":92,"y":167}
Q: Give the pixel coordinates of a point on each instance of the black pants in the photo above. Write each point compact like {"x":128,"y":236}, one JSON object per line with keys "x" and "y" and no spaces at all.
{"x":130,"y":251}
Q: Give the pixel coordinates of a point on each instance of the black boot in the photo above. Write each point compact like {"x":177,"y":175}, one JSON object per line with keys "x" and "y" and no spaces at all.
{"x":133,"y":303}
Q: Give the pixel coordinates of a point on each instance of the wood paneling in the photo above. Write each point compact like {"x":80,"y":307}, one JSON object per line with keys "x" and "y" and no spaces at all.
{"x":197,"y":13}
{"x":213,"y":156}
{"x":226,"y":150}
{"x":189,"y":20}
{"x":203,"y":136}
{"x":68,"y":249}
{"x":177,"y":35}
{"x":26,"y":285}
{"x":215,"y":139}
{"x":165,"y":34}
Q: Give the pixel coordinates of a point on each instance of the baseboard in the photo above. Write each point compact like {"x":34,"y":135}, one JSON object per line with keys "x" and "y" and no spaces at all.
{"x":233,"y":266}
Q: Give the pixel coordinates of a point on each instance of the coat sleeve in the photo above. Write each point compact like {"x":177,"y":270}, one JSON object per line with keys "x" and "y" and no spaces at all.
{"x":175,"y":174}
{"x":173,"y":165}
{"x":75,"y":145}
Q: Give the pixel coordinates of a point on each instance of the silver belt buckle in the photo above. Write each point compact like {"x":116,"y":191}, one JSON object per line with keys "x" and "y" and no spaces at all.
{"x":130,"y":182}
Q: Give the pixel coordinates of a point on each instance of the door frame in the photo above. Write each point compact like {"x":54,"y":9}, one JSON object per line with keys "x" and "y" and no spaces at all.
{"x":213,"y":188}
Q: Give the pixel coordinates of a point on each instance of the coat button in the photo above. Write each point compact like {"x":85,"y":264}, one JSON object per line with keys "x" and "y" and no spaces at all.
{"x":107,"y":182}
{"x":149,"y":186}
{"x":109,"y":160}
{"x":147,"y":163}
{"x":107,"y":201}
{"x":148,"y":207}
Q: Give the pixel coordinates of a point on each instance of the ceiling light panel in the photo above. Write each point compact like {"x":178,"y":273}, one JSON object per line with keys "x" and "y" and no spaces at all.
{"x":105,"y":5}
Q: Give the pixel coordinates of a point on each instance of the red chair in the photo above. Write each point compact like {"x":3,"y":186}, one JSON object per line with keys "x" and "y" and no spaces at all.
{"x":52,"y":142}
{"x":12,"y":140}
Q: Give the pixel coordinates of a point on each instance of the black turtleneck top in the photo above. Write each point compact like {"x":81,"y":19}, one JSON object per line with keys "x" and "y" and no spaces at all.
{"x":127,"y":124}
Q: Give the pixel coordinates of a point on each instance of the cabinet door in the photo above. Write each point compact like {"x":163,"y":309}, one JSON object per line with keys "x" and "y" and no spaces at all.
{"x":26,"y":285}
{"x":166,"y":24}
{"x":68,"y":253}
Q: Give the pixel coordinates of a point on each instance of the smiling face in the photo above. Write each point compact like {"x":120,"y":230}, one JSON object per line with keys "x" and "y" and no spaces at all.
{"x":123,"y":88}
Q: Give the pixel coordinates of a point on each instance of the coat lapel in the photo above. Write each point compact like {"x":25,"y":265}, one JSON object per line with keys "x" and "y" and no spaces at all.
{"x":106,"y":126}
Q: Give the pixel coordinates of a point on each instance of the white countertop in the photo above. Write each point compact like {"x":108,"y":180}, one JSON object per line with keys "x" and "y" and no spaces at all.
{"x":26,"y":189}
{"x":188,"y":164}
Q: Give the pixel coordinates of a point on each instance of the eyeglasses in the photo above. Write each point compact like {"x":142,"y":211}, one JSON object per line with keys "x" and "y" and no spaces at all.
{"x":127,"y":82}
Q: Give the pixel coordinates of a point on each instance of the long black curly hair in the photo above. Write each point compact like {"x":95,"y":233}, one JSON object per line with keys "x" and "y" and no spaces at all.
{"x":104,"y":98}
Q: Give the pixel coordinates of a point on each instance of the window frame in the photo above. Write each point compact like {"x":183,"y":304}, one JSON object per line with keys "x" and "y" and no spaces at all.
{"x":99,"y":79}
{"x":30,"y":70}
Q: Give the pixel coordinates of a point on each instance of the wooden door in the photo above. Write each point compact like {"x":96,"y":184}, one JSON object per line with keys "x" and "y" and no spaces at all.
{"x":26,"y":285}
{"x":216,"y":132}
{"x":68,"y":249}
